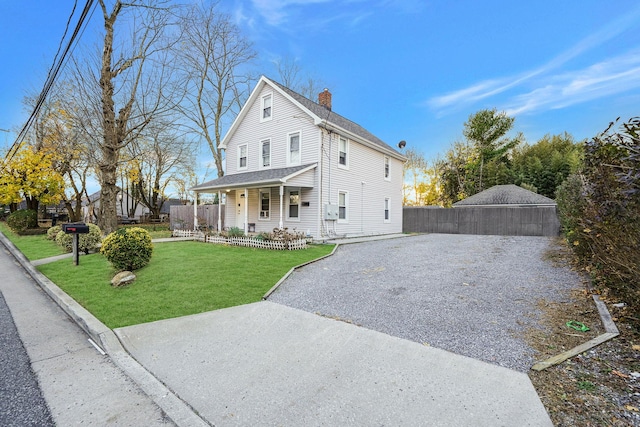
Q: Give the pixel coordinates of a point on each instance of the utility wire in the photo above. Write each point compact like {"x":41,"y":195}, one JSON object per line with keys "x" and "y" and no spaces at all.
{"x":52,"y":75}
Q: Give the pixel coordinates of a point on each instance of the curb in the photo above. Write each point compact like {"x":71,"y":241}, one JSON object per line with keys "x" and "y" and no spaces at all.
{"x":290,"y":272}
{"x":175,"y":408}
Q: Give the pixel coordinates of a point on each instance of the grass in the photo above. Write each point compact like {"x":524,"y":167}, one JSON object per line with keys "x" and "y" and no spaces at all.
{"x":33,"y":247}
{"x":182,"y":278}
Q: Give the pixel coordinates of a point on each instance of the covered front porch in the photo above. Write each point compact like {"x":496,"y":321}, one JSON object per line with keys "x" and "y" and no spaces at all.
{"x":263,"y":200}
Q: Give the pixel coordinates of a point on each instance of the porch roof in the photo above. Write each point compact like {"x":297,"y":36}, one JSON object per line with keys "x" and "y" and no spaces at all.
{"x":267,"y":177}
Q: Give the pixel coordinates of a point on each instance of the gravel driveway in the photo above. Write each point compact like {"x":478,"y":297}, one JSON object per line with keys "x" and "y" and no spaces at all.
{"x":471,"y":295}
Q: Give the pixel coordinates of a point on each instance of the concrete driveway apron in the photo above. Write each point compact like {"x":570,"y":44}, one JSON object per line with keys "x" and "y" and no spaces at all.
{"x":269,"y":364}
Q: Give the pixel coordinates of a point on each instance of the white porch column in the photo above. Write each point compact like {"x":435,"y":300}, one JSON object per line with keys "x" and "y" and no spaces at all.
{"x":195,"y":211}
{"x":281,"y":223}
{"x":219,"y":211}
{"x":246,"y":211}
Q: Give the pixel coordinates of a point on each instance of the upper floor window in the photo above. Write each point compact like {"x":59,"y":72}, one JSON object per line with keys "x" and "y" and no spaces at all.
{"x":343,"y":200}
{"x":387,"y":168}
{"x":387,"y":209}
{"x":265,"y":150}
{"x":265,"y":204}
{"x":343,"y":152}
{"x":293,"y":150}
{"x":265,"y":107}
{"x":242,"y":156}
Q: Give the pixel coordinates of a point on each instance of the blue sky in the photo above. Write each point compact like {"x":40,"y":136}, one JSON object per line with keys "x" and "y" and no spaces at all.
{"x":409,"y":70}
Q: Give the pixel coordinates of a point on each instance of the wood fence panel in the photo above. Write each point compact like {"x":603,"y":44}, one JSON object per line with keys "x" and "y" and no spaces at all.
{"x":181,"y":216}
{"x":504,"y":221}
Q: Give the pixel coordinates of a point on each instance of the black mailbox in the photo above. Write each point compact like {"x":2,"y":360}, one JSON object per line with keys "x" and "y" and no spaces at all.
{"x":75,"y":228}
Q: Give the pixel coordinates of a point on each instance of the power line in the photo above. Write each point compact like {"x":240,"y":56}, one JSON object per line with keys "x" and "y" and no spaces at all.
{"x":53,"y":73}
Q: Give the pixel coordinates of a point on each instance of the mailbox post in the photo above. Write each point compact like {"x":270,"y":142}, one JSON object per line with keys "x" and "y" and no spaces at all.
{"x":76,"y":229}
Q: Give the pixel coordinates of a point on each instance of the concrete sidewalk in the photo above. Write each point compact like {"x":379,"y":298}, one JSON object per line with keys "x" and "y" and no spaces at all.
{"x":264,"y":364}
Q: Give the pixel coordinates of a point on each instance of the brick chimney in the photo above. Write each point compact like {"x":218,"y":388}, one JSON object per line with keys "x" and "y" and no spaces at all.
{"x":324,"y":99}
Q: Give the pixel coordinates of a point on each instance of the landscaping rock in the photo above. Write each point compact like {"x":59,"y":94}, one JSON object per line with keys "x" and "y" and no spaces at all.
{"x":123,"y":278}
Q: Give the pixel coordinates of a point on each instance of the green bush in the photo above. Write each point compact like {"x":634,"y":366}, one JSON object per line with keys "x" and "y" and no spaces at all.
{"x":52,"y":232}
{"x":128,"y":248}
{"x":233,"y":232}
{"x":87,"y":243}
{"x":23,"y":219}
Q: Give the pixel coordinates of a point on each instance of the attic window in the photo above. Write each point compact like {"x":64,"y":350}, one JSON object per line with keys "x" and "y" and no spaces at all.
{"x":267,"y":101}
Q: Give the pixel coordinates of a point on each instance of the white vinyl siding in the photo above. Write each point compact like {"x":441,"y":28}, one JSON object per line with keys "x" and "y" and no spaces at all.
{"x":366,"y":187}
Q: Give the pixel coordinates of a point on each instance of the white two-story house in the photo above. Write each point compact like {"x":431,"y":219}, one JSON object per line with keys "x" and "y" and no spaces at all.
{"x":292,"y":162}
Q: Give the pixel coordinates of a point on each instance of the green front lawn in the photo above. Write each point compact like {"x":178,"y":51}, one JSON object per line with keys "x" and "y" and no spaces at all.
{"x":182,"y":278}
{"x":33,"y":247}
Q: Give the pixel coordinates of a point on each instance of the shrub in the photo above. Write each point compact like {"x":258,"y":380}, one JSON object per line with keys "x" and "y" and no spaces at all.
{"x":52,"y":232}
{"x":23,"y":219}
{"x":603,"y":222}
{"x":128,"y":248}
{"x":87,"y":243}
{"x":233,"y":232}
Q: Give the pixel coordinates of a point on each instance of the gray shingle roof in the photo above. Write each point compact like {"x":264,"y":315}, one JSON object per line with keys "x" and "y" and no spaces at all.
{"x":267,"y":176}
{"x":509,"y":194}
{"x":336,"y":119}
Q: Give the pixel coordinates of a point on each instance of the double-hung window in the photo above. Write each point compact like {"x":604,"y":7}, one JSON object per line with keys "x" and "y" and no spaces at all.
{"x":387,"y":209}
{"x":343,"y":152}
{"x":265,"y":107}
{"x":387,"y":168}
{"x":265,"y":150}
{"x":293,"y":150}
{"x":294,"y":204}
{"x":343,"y":200}
{"x":242,"y":156}
{"x":265,"y":204}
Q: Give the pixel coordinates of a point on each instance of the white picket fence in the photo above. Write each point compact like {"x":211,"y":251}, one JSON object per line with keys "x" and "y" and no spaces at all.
{"x":244,"y":241}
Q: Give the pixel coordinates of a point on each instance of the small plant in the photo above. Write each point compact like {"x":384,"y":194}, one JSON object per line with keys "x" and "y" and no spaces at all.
{"x":128,"y":248}
{"x":21,"y":220}
{"x":586,"y":386}
{"x":86,"y":243}
{"x":234,"y":232}
{"x":52,"y":232}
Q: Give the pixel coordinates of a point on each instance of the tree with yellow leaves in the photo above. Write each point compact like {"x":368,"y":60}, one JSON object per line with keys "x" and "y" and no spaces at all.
{"x":30,"y":175}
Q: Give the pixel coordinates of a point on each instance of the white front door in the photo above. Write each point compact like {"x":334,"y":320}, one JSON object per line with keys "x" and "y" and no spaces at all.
{"x":240,"y":201}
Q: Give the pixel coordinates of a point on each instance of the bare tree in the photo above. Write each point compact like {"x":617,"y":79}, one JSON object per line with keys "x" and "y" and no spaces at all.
{"x":122,"y":91}
{"x":160,"y":158}
{"x":293,"y":76}
{"x":212,"y":56}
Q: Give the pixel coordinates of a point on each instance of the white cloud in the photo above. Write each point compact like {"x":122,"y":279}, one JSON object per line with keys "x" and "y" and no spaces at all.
{"x":606,"y":78}
{"x":276,"y":12}
{"x":549,"y":86}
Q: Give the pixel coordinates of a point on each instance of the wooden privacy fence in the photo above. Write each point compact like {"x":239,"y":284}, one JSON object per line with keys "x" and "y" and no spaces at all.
{"x":502,"y":220}
{"x":181,"y":217}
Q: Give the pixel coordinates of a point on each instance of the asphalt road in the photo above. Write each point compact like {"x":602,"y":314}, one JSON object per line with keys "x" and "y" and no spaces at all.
{"x":21,"y":401}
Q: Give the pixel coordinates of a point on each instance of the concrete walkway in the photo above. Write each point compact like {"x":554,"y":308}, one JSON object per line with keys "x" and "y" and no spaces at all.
{"x":268,"y":364}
